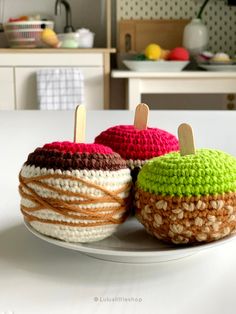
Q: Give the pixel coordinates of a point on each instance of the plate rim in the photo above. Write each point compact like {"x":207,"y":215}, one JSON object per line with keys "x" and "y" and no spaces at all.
{"x":80,"y":247}
{"x":218,"y":66}
{"x":156,"y":62}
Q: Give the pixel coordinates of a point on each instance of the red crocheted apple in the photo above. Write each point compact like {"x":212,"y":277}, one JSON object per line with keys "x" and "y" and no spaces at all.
{"x":137,"y":146}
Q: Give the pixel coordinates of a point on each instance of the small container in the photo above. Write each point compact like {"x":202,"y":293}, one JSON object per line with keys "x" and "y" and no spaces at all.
{"x":195,"y":37}
{"x":26,"y":34}
{"x":68,"y":40}
{"x":85,"y":38}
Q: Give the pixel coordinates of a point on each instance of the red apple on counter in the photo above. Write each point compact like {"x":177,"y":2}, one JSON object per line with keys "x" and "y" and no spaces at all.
{"x":179,"y":54}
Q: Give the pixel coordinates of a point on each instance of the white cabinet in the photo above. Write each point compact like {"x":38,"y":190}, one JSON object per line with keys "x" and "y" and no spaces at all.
{"x":7,"y":97}
{"x":18,"y":74}
{"x":26,"y":95}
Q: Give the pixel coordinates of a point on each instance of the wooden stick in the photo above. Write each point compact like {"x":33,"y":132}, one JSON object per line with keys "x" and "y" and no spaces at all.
{"x":80,"y":124}
{"x":141,"y":117}
{"x":186,"y":140}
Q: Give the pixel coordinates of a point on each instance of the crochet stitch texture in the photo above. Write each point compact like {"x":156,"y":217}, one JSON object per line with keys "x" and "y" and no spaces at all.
{"x":69,"y":147}
{"x":188,"y":199}
{"x":75,"y":192}
{"x":205,"y":173}
{"x":135,"y":144}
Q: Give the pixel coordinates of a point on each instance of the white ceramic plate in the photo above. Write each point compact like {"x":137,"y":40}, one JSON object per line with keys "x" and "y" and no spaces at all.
{"x":218,"y":67}
{"x":155,"y":66}
{"x":131,"y":244}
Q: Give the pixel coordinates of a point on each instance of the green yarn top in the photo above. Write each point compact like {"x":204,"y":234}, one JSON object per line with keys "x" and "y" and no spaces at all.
{"x":208,"y":172}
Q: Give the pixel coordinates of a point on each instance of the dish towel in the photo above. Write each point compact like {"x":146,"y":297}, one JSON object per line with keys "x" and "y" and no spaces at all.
{"x":60,"y":88}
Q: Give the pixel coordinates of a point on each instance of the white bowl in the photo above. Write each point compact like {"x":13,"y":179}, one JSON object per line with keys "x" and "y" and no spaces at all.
{"x":155,"y":66}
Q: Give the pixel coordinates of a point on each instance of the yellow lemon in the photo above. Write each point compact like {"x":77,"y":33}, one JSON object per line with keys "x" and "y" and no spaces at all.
{"x":153,"y":52}
{"x":49,"y":37}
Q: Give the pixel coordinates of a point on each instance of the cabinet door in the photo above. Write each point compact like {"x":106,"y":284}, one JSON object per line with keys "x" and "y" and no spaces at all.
{"x":7,"y":99}
{"x":26,"y":89}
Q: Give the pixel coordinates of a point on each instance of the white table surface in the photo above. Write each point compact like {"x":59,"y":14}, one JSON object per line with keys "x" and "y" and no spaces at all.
{"x":178,"y":75}
{"x":36,"y":277}
{"x":184,"y":82}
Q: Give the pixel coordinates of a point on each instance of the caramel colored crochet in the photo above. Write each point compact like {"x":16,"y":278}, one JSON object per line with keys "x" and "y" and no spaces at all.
{"x":187,"y":219}
{"x":72,"y":209}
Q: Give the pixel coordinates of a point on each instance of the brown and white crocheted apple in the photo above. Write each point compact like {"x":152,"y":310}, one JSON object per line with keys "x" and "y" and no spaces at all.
{"x":75,"y":192}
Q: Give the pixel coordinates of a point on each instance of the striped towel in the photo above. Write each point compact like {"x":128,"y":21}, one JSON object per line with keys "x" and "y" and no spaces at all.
{"x":60,"y":88}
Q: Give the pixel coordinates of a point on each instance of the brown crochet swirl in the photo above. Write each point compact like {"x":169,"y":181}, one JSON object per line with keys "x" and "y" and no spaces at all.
{"x":54,"y":159}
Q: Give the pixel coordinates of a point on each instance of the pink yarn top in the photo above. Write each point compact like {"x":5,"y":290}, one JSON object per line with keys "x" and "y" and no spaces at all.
{"x":135,"y":144}
{"x":71,"y":147}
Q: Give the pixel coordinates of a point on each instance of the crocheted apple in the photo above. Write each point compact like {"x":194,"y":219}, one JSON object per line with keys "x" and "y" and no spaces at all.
{"x":188,"y":196}
{"x":138,"y":143}
{"x":75,"y":192}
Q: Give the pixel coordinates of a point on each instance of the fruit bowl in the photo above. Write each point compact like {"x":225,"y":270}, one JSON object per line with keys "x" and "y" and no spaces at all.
{"x":155,"y":66}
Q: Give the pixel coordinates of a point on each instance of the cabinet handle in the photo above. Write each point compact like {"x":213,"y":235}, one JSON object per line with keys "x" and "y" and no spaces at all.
{"x":231,"y":97}
{"x":128,"y":43}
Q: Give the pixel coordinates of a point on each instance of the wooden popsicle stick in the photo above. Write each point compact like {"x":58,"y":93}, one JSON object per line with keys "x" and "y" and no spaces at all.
{"x":186,"y":140}
{"x":80,"y":124}
{"x":141,"y":117}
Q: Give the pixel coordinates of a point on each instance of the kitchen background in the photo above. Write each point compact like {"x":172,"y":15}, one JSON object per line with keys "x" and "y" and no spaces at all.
{"x":219,"y":17}
{"x":85,"y":13}
{"x":221,"y":22}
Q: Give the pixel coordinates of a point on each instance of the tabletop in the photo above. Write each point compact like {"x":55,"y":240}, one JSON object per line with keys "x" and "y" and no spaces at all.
{"x":184,"y":82}
{"x":37,"y":277}
{"x":178,"y":75}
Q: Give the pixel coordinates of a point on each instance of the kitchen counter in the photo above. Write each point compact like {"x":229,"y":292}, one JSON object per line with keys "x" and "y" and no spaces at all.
{"x":58,"y":50}
{"x":18,"y":67}
{"x":185,"y":82}
{"x":37,"y":277}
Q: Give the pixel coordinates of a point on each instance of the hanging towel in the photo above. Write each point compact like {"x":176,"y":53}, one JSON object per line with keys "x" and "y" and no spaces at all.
{"x":60,"y":88}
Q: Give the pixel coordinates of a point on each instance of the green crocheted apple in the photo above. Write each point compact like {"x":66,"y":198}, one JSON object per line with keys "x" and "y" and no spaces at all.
{"x":187,"y":199}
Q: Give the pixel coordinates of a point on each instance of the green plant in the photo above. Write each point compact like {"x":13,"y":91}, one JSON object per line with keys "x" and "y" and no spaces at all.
{"x":199,"y":16}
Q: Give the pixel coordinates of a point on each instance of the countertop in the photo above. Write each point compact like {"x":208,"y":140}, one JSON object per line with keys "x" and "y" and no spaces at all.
{"x":183,"y":74}
{"x":192,"y":70}
{"x":38,"y":278}
{"x":59,"y":50}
